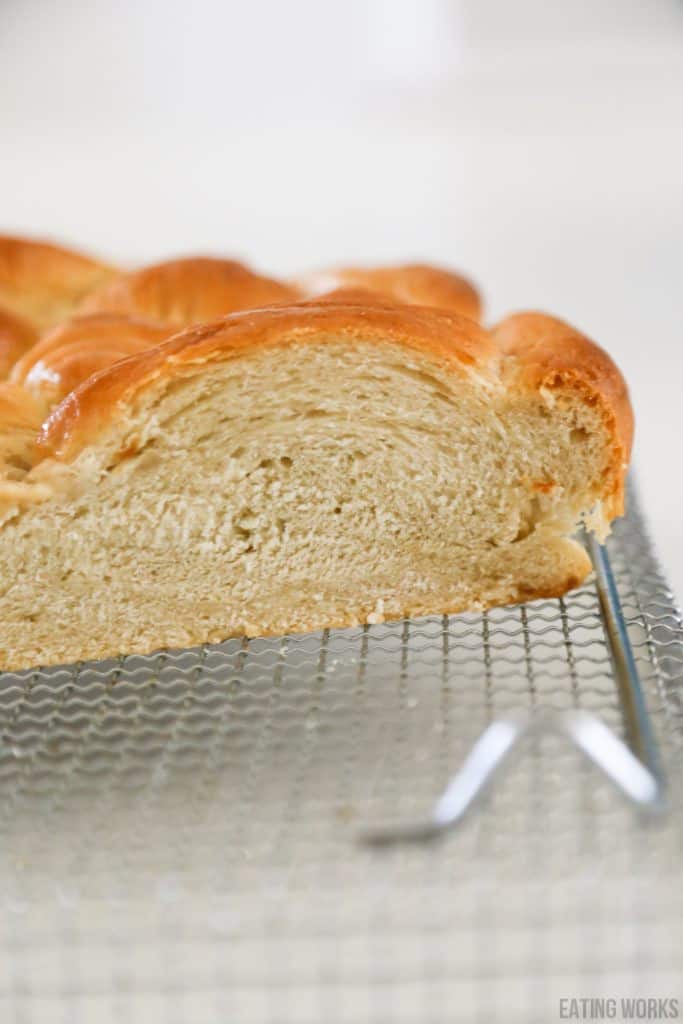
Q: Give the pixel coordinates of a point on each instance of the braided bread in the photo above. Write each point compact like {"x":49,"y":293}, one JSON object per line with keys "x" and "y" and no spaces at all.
{"x":313,"y":463}
{"x":188,"y":291}
{"x":415,"y":284}
{"x":42,"y":283}
{"x":16,"y":337}
{"x":79,"y":347}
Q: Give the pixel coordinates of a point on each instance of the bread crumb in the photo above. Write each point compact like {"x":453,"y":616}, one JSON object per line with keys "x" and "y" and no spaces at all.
{"x":374,"y":618}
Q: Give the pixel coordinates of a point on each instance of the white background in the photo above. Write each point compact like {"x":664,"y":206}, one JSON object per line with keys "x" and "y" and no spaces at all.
{"x":534,"y":144}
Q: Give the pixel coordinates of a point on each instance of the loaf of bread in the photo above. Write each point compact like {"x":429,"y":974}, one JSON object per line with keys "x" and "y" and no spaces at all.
{"x":312,"y":463}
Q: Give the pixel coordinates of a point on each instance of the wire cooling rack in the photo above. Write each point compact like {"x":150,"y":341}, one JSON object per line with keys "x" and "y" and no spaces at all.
{"x":178,"y":833}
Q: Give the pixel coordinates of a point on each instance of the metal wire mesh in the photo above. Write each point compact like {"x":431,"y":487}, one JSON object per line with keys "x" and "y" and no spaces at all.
{"x":177,"y":831}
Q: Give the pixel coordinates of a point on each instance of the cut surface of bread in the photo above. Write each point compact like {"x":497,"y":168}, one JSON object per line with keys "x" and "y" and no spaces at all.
{"x":310,"y":466}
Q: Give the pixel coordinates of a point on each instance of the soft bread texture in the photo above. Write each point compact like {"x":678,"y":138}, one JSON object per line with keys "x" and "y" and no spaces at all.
{"x":311,"y":465}
{"x":550,"y":354}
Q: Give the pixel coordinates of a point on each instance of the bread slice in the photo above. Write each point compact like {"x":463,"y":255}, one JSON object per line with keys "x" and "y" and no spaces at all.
{"x":307,"y":466}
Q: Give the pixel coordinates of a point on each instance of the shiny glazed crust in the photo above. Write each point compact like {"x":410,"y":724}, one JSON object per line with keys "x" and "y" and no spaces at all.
{"x":188,"y":291}
{"x":193,"y":290}
{"x":16,"y":336}
{"x":41,"y":283}
{"x":414,"y":284}
{"x":81,"y":346}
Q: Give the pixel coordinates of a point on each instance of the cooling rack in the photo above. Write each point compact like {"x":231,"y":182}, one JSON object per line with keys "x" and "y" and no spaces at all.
{"x":179,"y":833}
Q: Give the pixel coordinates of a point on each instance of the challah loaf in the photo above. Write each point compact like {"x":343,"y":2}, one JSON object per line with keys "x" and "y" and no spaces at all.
{"x":308,"y":465}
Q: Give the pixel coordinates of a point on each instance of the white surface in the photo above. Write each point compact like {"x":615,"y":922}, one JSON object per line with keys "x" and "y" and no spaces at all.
{"x":536,"y":146}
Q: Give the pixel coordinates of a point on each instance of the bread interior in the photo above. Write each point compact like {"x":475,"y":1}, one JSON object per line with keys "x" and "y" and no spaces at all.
{"x":326,"y":483}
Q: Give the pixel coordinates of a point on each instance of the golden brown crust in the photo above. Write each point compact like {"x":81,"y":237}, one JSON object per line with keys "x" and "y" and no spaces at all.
{"x":42,"y":283}
{"x":18,"y":406}
{"x":91,"y":409}
{"x":416,"y":284}
{"x":16,"y":336}
{"x":183,"y":292}
{"x":352,"y":297}
{"x":186,"y":291}
{"x":20,"y":419}
{"x":550,"y":355}
{"x":74,"y":350}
